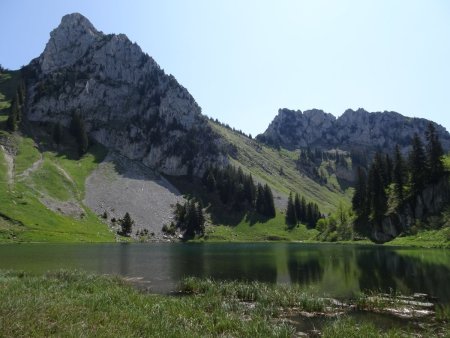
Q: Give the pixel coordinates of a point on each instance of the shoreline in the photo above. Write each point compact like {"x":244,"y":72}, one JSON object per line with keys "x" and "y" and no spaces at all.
{"x":82,"y":304}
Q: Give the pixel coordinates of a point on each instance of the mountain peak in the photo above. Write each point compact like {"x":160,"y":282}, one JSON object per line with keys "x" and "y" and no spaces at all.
{"x":68,"y":42}
{"x":353,"y":129}
{"x":76,"y":21}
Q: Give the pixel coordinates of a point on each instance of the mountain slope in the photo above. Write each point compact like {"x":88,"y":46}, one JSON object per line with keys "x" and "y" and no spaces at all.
{"x":279,"y":168}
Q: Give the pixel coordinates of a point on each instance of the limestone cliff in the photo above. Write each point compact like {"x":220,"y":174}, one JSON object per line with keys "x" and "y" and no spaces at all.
{"x":126,"y":100}
{"x":352,"y":130}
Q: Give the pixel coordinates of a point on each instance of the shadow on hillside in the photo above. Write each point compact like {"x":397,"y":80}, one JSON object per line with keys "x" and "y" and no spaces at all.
{"x":42,"y":134}
{"x":220,"y":213}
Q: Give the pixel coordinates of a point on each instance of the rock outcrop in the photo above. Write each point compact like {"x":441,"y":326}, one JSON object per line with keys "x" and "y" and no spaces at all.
{"x":430,"y":202}
{"x":352,"y":130}
{"x":125,"y":99}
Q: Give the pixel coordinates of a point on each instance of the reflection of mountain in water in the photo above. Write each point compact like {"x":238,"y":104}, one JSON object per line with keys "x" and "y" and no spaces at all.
{"x":305,"y":271}
{"x":225,"y":262}
{"x":336,"y":270}
{"x":385,"y":269}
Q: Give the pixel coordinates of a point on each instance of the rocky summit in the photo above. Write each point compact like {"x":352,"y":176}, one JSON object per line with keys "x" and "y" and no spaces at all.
{"x":125,"y":99}
{"x":352,"y":130}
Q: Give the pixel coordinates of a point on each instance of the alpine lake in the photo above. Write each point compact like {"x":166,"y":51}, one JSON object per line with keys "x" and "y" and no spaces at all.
{"x":338,"y":271}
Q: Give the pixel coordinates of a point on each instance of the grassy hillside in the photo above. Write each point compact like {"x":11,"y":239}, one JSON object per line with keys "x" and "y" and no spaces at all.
{"x":278,"y":169}
{"x":41,"y":196}
{"x":41,"y":193}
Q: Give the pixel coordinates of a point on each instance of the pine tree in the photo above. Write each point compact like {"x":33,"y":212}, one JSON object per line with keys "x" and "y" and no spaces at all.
{"x":259,"y":202}
{"x":303,"y":216}
{"x":298,"y":207}
{"x":388,"y":168}
{"x":310,"y":216}
{"x":269,"y":205}
{"x":200,"y":217}
{"x":359,"y":199}
{"x":417,"y":166}
{"x":126,"y":225}
{"x":434,"y":154}
{"x":291,"y":218}
{"x":249,"y":190}
{"x":378,"y":198}
{"x":399,"y":174}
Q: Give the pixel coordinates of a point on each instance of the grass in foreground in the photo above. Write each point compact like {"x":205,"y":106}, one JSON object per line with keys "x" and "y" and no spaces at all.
{"x":79,"y":304}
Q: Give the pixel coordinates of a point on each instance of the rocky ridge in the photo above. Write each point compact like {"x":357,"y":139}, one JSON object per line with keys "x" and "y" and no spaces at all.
{"x":352,"y":130}
{"x":127,"y":102}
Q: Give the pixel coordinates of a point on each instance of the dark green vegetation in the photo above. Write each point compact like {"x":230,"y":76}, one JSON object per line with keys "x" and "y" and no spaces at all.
{"x":238,"y":191}
{"x":396,"y":188}
{"x":78,"y":304}
{"x":189,"y":218}
{"x":126,"y":225}
{"x":298,"y":211}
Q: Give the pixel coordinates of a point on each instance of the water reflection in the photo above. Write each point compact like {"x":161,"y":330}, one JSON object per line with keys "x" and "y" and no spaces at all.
{"x":337,"y":270}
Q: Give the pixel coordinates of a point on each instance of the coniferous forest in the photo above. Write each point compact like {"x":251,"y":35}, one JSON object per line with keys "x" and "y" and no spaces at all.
{"x":238,"y":190}
{"x":395,"y":181}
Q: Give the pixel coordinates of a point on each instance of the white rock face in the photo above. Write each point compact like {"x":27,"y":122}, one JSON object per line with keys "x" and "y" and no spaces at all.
{"x":68,"y":42}
{"x":126,"y":101}
{"x":353,"y":130}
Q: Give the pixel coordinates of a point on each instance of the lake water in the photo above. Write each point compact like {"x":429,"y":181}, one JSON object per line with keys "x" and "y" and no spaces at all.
{"x":331,"y":269}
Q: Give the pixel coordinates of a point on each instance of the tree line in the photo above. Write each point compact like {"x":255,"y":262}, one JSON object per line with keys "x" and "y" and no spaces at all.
{"x":299,"y":211}
{"x":238,"y":190}
{"x":390,"y":182}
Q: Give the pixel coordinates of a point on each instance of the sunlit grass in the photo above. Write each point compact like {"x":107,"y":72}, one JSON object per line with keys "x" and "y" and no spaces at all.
{"x":21,"y":202}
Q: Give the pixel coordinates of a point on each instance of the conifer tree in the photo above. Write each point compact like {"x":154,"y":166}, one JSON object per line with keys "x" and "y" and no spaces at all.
{"x":200,"y":216}
{"x":434,"y":154}
{"x":359,"y":199}
{"x":291,"y":218}
{"x":388,"y":168}
{"x":126,"y":225}
{"x":417,"y":166}
{"x":303,"y":214}
{"x":298,"y":207}
{"x":269,"y":205}
{"x":378,"y":198}
{"x":399,"y":174}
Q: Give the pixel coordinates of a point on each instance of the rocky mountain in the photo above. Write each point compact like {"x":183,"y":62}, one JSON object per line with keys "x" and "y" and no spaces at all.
{"x":352,"y":130}
{"x":125,"y":99}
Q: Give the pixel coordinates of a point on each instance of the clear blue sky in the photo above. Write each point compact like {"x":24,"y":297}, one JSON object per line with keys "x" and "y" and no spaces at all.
{"x":242,"y":60}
